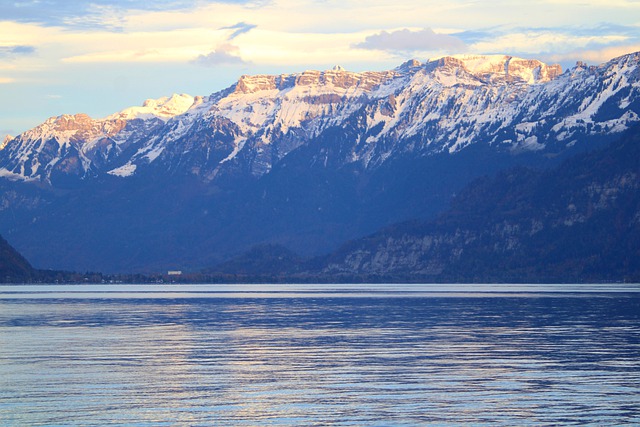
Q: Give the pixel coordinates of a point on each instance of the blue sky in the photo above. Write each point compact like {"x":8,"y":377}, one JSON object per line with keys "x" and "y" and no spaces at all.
{"x":101,"y":56}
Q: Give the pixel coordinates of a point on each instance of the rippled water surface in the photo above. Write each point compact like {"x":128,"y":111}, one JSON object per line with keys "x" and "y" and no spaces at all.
{"x":245,"y":356}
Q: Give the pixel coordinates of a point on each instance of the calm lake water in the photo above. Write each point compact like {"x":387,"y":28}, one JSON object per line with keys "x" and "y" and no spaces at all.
{"x":320,"y":355}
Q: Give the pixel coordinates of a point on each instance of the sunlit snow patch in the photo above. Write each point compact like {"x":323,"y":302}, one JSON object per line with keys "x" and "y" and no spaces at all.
{"x":124,"y":171}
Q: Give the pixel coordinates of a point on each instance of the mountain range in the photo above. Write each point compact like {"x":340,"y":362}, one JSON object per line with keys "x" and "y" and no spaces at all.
{"x":304,"y":161}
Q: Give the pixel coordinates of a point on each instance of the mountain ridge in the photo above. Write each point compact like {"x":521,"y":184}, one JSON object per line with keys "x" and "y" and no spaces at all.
{"x":258,"y":112}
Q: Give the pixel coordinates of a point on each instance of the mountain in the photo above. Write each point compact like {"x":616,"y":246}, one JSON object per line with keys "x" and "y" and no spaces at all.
{"x":443,"y":105}
{"x":577,"y":222}
{"x":306,"y":160}
{"x":77,"y":146}
{"x":13,"y":267}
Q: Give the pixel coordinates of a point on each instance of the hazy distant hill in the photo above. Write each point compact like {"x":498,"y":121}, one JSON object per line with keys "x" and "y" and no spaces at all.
{"x":13,"y":267}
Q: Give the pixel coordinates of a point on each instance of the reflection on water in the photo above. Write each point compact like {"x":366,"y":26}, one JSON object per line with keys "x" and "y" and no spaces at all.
{"x":321,"y":360}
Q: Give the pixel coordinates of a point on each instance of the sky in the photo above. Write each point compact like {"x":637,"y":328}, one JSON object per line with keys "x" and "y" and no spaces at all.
{"x":101,"y":56}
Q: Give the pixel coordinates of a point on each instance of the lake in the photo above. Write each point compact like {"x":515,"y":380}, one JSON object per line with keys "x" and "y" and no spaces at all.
{"x":317,"y":355}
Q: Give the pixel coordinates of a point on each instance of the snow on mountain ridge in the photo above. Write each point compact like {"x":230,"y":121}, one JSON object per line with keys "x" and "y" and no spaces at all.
{"x":446,"y":107}
{"x":7,"y":139}
{"x":72,"y":144}
{"x":494,"y":67}
{"x":288,"y":100}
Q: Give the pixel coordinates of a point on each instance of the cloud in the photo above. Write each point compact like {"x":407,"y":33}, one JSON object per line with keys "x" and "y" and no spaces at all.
{"x":412,"y":41}
{"x":240,"y":28}
{"x":225,"y":54}
{"x":91,"y":15}
{"x":605,"y":28}
{"x":17,"y":50}
{"x":595,"y":56}
{"x":6,"y":80}
{"x":535,"y":41}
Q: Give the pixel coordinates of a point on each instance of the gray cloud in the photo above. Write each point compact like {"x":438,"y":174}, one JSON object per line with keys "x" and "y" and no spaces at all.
{"x":225,"y":54}
{"x":18,"y":50}
{"x":412,"y":41}
{"x":240,"y":28}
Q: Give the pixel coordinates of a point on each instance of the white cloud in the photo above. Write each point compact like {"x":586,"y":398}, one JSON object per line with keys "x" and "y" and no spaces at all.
{"x":17,"y":34}
{"x":159,"y":46}
{"x":151,"y":54}
{"x":536,"y":41}
{"x":598,"y":3}
{"x":6,"y":80}
{"x":90,"y":15}
{"x":594,"y":56}
{"x":308,"y":49}
{"x":225,"y":53}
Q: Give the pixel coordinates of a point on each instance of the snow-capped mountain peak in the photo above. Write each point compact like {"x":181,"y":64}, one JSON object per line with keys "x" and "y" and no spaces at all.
{"x":409,"y":65}
{"x":163,"y":108}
